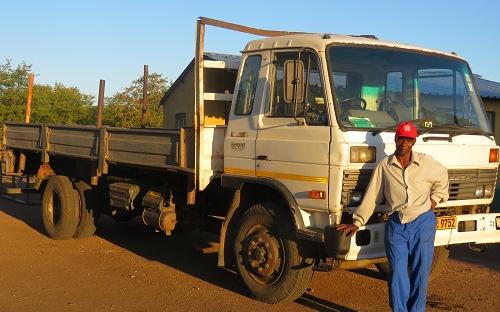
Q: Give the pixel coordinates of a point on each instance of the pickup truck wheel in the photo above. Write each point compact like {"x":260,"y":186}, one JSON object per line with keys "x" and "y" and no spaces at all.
{"x":59,"y":208}
{"x":439,"y":259}
{"x":267,"y":257}
{"x":89,"y":212}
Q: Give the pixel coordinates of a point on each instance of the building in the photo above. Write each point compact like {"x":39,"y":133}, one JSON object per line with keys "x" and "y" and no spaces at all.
{"x":219,"y":76}
{"x":490,"y":94}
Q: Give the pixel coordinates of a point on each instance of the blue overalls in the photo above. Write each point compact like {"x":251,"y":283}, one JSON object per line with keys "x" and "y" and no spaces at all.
{"x":409,"y":249}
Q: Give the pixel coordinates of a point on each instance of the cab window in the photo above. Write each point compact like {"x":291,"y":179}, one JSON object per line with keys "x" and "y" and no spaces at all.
{"x":248,"y":85}
{"x":313,"y":105}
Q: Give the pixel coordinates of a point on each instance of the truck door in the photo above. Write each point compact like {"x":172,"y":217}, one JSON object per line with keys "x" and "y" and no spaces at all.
{"x":239,"y":143}
{"x":292,"y":145}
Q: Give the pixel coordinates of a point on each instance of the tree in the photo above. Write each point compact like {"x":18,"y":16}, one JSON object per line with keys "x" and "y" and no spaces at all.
{"x":13,"y":86}
{"x":62,"y":105}
{"x":50,"y":104}
{"x":124,"y":109}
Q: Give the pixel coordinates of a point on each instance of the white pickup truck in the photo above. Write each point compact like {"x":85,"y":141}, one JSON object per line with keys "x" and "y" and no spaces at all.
{"x":310,"y":117}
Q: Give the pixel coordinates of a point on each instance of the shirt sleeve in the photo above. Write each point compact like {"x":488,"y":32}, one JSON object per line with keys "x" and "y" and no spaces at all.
{"x":439,"y":191}
{"x":374,"y":195}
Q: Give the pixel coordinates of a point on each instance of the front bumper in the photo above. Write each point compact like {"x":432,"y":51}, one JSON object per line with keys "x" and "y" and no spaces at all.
{"x":368,"y":243}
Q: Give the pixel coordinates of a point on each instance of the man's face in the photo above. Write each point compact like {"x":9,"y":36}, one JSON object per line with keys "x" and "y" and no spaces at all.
{"x":404,"y":145}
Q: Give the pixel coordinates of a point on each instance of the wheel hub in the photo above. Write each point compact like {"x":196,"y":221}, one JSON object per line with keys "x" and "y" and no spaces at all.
{"x":263,"y":254}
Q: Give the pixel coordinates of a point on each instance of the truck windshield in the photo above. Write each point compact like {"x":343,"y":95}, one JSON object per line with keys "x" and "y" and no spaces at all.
{"x":378,"y":88}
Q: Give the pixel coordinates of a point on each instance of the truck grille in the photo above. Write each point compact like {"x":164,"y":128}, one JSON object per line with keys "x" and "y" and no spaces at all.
{"x":463,"y":183}
{"x":355,"y":181}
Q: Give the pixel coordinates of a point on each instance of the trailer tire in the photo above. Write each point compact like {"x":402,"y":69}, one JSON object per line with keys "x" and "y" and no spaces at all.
{"x":89,"y":210}
{"x":59,"y":208}
{"x":267,"y":255}
{"x":439,"y":259}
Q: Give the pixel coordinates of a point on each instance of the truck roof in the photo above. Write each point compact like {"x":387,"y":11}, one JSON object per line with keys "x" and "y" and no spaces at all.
{"x":320,"y":41}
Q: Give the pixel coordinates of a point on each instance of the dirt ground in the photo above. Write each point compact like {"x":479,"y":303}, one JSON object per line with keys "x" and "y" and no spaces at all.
{"x":127,"y":267}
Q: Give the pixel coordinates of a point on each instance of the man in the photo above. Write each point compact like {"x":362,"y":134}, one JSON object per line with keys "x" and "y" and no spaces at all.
{"x":410,"y":184}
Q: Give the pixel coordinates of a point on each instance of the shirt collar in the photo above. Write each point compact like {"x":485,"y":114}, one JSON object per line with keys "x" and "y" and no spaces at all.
{"x":415,"y":158}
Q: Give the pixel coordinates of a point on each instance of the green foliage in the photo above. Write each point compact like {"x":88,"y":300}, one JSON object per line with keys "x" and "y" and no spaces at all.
{"x":13,"y":91}
{"x":59,"y":104}
{"x":50,"y":104}
{"x":62,"y":105}
{"x":124,"y":109}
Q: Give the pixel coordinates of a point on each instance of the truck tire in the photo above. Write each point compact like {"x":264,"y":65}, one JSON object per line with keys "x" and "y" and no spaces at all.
{"x":59,"y":208}
{"x":89,"y":212}
{"x":439,"y":259}
{"x":267,"y":255}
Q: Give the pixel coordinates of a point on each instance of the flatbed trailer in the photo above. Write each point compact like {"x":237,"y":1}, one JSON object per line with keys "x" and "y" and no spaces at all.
{"x":153,"y":148}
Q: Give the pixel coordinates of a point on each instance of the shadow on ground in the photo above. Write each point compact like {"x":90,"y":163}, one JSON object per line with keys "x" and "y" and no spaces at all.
{"x":484,"y":255}
{"x":318,"y":304}
{"x":180,"y":251}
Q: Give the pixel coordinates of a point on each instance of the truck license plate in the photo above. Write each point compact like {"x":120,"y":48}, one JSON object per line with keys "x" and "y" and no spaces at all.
{"x":445,"y":223}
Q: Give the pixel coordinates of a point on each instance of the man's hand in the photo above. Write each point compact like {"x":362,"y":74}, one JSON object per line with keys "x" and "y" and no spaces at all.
{"x":348,"y":229}
{"x":433,"y":203}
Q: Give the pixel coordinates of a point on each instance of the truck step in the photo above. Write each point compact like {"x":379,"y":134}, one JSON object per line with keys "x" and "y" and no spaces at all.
{"x":9,"y":190}
{"x":324,"y":265}
{"x":477,"y":247}
{"x":207,"y":248}
{"x":219,"y":218}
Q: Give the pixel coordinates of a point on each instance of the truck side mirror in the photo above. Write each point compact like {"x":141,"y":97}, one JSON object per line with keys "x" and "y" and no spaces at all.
{"x":294,"y":81}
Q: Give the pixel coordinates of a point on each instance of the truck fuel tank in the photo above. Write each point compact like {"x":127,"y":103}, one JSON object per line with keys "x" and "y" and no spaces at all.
{"x":122,"y":195}
{"x":158,"y":212}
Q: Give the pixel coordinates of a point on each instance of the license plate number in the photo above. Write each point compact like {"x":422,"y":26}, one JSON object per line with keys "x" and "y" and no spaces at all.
{"x":446,"y":223}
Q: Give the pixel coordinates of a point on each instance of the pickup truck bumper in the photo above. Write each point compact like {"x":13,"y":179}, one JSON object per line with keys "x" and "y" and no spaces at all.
{"x":368,"y":243}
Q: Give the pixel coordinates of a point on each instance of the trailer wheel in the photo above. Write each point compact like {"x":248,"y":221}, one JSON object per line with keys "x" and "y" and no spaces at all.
{"x":439,"y":259}
{"x":267,"y":256}
{"x":59,"y":208}
{"x":89,"y":210}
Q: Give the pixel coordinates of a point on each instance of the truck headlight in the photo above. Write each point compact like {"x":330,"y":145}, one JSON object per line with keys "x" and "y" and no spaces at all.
{"x":479,"y":191}
{"x":488,"y":190}
{"x":363,"y":154}
{"x":355,"y":197}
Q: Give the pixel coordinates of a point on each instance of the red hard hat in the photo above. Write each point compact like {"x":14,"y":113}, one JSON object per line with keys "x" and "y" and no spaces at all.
{"x":406,"y":129}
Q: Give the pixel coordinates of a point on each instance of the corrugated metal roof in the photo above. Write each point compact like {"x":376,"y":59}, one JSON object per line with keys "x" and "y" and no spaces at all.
{"x":232,"y":60}
{"x":487,"y":88}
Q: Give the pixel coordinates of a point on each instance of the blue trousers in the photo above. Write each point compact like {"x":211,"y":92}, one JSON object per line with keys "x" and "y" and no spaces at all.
{"x":409,"y":248}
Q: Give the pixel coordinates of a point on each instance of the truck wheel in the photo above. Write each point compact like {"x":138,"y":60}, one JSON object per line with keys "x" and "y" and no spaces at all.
{"x":267,"y":256}
{"x":439,"y":259}
{"x":89,"y":212}
{"x":59,"y":208}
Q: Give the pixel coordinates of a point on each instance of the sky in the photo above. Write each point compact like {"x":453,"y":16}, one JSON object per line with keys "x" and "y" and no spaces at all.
{"x":79,"y":42}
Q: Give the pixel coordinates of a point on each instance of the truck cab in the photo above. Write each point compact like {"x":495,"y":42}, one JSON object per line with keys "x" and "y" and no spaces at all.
{"x":314,"y":113}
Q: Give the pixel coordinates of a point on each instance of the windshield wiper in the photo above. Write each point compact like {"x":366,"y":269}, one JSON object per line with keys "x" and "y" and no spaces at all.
{"x":455,"y":130}
{"x":474,"y":131}
{"x":393,"y":127}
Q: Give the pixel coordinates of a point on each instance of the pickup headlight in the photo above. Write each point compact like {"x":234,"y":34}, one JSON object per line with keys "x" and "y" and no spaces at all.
{"x":363,"y":154}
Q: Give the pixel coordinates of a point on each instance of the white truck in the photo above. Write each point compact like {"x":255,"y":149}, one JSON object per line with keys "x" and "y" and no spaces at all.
{"x":310,"y":117}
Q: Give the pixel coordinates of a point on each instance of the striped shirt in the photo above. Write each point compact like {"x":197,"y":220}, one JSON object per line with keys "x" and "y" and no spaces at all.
{"x":407,"y":191}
